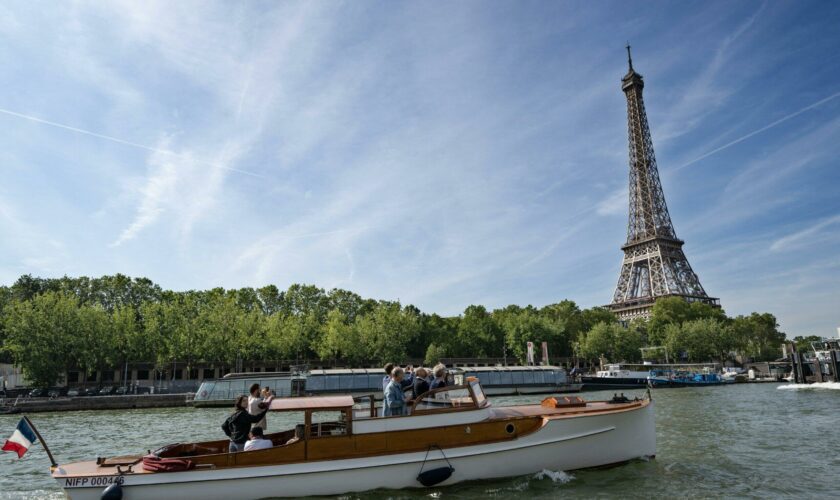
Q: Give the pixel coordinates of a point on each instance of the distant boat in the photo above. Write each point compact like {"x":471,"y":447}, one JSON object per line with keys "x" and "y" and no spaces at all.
{"x":689,"y":379}
{"x":616,"y":376}
{"x":628,"y":376}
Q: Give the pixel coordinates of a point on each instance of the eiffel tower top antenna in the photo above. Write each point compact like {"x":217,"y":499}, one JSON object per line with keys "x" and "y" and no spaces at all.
{"x":629,"y":58}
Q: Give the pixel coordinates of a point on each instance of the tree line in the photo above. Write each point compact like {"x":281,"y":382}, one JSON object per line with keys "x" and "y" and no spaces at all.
{"x":50,"y":326}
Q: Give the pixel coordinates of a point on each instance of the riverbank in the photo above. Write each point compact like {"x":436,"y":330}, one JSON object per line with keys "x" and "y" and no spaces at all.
{"x":122,"y":402}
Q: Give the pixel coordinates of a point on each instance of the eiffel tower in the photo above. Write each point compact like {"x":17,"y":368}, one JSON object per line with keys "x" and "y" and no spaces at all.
{"x":654,"y":264}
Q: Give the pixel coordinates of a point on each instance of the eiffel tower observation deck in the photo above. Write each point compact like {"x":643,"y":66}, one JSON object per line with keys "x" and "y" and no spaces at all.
{"x":654,"y":265}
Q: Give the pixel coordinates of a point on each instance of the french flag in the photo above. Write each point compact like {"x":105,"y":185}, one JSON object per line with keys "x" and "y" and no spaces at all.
{"x":21,"y":439}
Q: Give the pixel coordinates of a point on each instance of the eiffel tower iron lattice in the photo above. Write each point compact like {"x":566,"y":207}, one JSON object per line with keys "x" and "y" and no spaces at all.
{"x":654,"y":264}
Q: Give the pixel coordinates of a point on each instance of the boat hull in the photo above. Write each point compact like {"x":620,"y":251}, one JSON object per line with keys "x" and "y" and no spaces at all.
{"x":562,"y":443}
{"x":603,"y":383}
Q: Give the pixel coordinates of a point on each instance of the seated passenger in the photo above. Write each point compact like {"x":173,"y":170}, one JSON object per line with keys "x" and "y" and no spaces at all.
{"x":440,"y":377}
{"x":257,"y":441}
{"x":393,"y":402}
{"x":421,"y":386}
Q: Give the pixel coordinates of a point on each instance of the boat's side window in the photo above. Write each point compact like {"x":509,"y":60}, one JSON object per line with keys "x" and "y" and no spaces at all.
{"x":327,"y":423}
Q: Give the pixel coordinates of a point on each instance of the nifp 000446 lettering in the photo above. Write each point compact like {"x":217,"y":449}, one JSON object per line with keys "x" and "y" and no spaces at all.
{"x":82,"y":482}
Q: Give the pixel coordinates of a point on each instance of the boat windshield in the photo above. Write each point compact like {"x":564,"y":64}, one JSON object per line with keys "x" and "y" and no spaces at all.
{"x":480,"y":399}
{"x":457,"y":397}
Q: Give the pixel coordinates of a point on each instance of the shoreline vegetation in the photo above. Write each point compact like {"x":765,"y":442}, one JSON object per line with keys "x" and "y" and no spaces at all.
{"x":51,"y":325}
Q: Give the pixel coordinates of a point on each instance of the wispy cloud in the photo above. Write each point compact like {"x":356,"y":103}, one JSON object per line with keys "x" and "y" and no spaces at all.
{"x":181,"y":186}
{"x":707,"y":90}
{"x":801,"y":237}
{"x":759,"y":130}
{"x":124,"y":142}
{"x":615,"y":203}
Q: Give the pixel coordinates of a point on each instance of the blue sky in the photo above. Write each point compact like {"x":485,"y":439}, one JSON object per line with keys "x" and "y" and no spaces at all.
{"x":443,"y":154}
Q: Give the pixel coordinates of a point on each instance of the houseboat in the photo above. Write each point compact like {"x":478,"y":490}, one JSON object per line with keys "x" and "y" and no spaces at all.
{"x":688,"y":379}
{"x":497,"y":381}
{"x":344,"y":445}
{"x":629,"y":376}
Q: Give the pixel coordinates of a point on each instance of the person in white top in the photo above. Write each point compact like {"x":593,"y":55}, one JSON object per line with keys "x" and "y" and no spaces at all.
{"x":256,"y":404}
{"x":257,"y":441}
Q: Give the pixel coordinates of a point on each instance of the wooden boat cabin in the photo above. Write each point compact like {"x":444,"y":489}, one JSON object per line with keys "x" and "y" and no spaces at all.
{"x":356,"y":429}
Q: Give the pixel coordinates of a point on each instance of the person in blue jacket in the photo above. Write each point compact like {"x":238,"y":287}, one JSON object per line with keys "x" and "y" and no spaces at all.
{"x":394,"y":398}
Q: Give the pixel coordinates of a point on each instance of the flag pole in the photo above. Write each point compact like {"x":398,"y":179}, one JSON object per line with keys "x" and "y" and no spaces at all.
{"x":41,"y":439}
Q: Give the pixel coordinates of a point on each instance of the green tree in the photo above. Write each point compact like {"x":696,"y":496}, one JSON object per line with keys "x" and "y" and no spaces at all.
{"x":478,"y":334}
{"x":803,"y":343}
{"x":340,"y":340}
{"x":699,"y":340}
{"x":40,"y":335}
{"x":387,"y":331}
{"x":434,"y":354}
{"x":758,"y":336}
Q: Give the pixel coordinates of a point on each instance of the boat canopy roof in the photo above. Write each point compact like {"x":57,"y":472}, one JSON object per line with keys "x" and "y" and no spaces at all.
{"x":312,"y":403}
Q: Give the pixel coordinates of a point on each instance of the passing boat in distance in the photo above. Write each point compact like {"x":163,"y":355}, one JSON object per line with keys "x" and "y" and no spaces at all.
{"x":689,"y":379}
{"x":627,"y":376}
{"x":616,"y":376}
{"x":344,"y":445}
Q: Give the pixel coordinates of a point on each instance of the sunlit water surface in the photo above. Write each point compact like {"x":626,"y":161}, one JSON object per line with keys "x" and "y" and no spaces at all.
{"x":744,"y":441}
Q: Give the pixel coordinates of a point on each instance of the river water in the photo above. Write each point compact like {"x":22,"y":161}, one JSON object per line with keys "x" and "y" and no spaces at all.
{"x":744,"y":441}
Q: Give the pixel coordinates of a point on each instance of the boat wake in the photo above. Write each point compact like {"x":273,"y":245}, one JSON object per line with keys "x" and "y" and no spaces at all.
{"x":815,"y":386}
{"x":555,"y":476}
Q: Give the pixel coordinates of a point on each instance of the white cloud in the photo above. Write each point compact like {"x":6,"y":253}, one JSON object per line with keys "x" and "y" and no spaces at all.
{"x":614,"y":204}
{"x":809,"y":234}
{"x":181,"y":187}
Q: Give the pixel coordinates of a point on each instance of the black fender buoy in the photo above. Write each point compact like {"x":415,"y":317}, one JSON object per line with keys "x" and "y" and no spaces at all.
{"x":112,"y":492}
{"x":432,"y":477}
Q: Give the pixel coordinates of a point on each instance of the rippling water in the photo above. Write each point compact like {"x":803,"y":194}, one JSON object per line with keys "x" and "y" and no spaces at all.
{"x":746,"y":440}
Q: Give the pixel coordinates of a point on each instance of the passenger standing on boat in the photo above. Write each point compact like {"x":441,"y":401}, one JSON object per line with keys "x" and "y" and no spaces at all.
{"x":258,"y":440}
{"x":440,"y":377}
{"x":389,"y":367}
{"x":256,"y":405}
{"x":238,"y":425}
{"x":394,"y":397}
{"x":421,"y":386}
{"x":408,"y":377}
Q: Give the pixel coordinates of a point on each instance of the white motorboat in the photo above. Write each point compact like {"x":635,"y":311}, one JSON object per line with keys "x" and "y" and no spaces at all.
{"x":451,"y":435}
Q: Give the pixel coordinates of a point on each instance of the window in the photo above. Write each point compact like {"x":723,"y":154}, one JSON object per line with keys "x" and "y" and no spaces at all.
{"x":72,"y":377}
{"x":193,"y":374}
{"x":142,"y":375}
{"x":179,"y":374}
{"x":108,"y":375}
{"x":449,"y":398}
{"x":478,"y":393}
{"x":315,"y":383}
{"x":207,"y":373}
{"x":328,"y":423}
